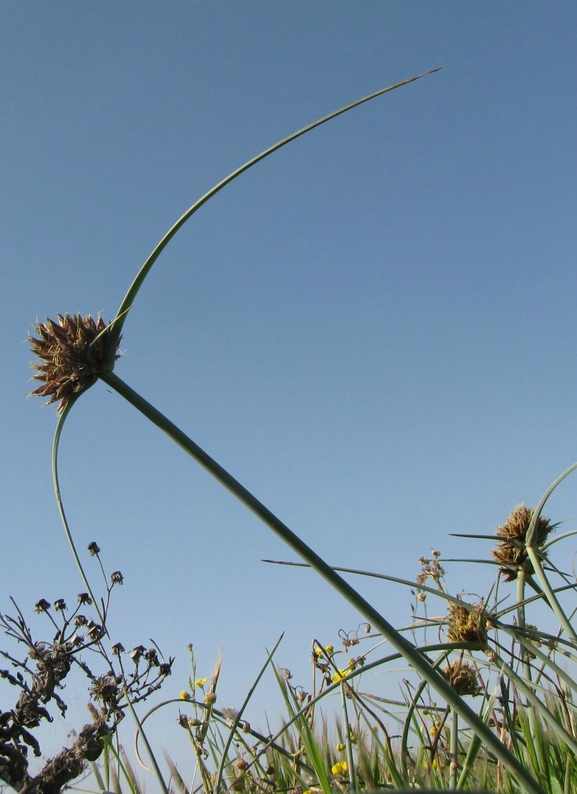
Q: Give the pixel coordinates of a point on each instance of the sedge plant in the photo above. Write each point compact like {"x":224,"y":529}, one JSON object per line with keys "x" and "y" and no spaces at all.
{"x":77,"y":351}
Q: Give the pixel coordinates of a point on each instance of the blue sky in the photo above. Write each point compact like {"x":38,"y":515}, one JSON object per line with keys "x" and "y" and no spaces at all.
{"x":373,"y":330}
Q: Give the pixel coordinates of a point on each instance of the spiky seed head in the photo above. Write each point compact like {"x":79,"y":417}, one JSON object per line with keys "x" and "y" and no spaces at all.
{"x":73,"y":354}
{"x":511,"y":550}
{"x":463,"y":678}
{"x":467,"y":625}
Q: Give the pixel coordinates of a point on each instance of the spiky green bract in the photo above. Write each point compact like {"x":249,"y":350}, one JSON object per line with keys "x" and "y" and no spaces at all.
{"x":127,"y":303}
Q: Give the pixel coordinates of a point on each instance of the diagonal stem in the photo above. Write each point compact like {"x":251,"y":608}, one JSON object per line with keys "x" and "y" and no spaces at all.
{"x":418,"y":661}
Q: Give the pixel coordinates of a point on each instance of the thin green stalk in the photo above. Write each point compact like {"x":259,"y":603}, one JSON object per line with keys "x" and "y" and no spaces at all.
{"x":130,"y":296}
{"x":240,"y":713}
{"x":521,"y":620}
{"x":548,"y":590}
{"x":454,"y":750}
{"x":56,"y":482}
{"x":348,"y":739}
{"x":534,"y":556}
{"x":420,"y":663}
{"x":159,"y":776}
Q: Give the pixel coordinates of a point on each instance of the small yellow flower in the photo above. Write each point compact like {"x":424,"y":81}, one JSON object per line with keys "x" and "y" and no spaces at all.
{"x":330,"y":649}
{"x":200,"y":682}
{"x":339,"y":748}
{"x":340,"y":768}
{"x":433,"y":730}
{"x":318,"y":652}
{"x":339,"y":675}
{"x":185,"y":695}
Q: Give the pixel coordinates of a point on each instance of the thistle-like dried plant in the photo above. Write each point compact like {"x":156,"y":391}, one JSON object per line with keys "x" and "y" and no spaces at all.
{"x":511,"y":550}
{"x":72,"y":352}
{"x":39,"y":677}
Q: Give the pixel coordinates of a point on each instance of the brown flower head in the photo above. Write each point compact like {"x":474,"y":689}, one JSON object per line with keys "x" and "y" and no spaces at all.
{"x":511,"y":550}
{"x":71,"y":359}
{"x":467,"y":625}
{"x":463,"y":678}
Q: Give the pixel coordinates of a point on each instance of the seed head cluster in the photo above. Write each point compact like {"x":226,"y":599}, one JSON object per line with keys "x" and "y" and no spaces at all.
{"x":511,"y":550}
{"x":467,"y":625}
{"x":463,"y":678}
{"x":72,"y":352}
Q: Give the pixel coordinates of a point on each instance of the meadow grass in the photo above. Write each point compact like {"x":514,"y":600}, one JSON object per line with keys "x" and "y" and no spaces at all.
{"x":341,"y":735}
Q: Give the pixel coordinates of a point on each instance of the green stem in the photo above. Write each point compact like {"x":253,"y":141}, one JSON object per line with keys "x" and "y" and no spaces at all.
{"x":348,"y":740}
{"x":454,"y":750}
{"x":56,"y":482}
{"x":419,"y":662}
{"x":116,"y":326}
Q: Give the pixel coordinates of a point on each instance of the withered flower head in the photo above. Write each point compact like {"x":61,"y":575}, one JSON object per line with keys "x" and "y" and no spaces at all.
{"x":70,"y":362}
{"x":136,"y":653}
{"x":42,"y":606}
{"x":511,"y":550}
{"x":105,"y":689}
{"x":467,"y":625}
{"x":463,"y":678}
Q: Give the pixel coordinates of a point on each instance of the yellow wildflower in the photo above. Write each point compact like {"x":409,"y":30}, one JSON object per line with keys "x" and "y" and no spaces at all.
{"x":200,"y":682}
{"x":340,"y":768}
{"x":339,"y":675}
{"x":339,"y":748}
{"x":330,"y":649}
{"x":185,"y":695}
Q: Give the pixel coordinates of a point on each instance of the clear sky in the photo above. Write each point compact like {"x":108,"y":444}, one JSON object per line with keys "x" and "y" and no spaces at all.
{"x":373,"y":330}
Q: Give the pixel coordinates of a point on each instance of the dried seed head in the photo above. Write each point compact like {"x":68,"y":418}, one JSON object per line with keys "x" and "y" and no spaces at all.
{"x":116,"y":578}
{"x":105,"y":689}
{"x":72,"y":353}
{"x":151,"y":657}
{"x":463,"y":678}
{"x":467,"y":625}
{"x":42,"y":606}
{"x":511,"y":550}
{"x":94,"y":548}
{"x":137,"y":652}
